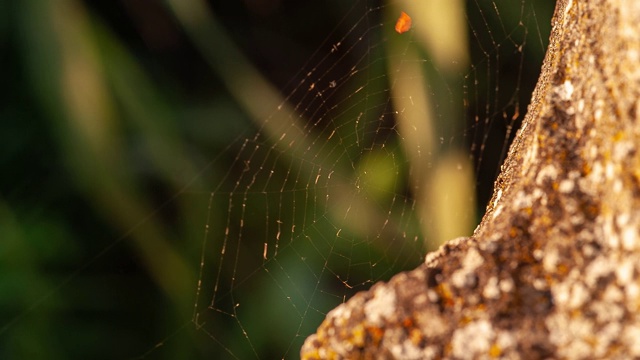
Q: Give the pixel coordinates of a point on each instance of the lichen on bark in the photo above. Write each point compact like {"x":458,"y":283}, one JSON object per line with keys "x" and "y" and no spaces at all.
{"x":553,"y":270}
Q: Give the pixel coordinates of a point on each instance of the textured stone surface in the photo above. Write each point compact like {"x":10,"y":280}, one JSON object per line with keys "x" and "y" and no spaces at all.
{"x":553,"y":270}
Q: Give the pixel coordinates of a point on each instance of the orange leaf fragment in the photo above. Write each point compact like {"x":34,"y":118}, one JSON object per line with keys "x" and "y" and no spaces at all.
{"x":404,"y":23}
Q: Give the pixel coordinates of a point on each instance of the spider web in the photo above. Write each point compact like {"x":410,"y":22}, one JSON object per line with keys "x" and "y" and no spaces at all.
{"x":367,"y":149}
{"x":352,"y":176}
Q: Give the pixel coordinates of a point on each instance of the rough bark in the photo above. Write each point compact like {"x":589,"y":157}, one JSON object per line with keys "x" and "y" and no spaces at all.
{"x":553,"y":270}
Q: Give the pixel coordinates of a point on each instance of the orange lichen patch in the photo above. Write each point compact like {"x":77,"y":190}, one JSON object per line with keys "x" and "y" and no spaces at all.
{"x":407,"y":323}
{"x":445,"y":294}
{"x":313,"y":355}
{"x":495,"y":351}
{"x":416,"y":337}
{"x":316,"y":354}
{"x":513,"y":232}
{"x":550,"y":280}
{"x":404,"y":23}
{"x":576,"y":313}
{"x":591,"y":340}
{"x":545,"y":220}
{"x":592,"y":210}
{"x":465,"y":320}
{"x":618,"y":136}
{"x":562,"y":269}
{"x":375,"y":334}
{"x":635,"y":304}
{"x":561,"y":156}
{"x":448,"y":347}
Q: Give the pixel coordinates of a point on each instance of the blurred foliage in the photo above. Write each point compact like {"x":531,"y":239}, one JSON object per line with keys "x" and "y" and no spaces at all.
{"x":117,"y":124}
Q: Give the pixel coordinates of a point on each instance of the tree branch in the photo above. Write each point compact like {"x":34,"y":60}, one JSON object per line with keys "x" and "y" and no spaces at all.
{"x":553,"y":270}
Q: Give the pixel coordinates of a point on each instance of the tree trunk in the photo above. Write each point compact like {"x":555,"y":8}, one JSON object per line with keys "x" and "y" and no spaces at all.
{"x":553,"y":270}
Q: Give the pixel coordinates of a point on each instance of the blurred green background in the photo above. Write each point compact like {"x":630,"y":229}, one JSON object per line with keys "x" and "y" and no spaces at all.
{"x":121,"y":142}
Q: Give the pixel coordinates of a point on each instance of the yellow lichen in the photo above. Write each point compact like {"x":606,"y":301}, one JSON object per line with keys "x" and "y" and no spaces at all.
{"x":358,"y":336}
{"x":513,"y":232}
{"x":495,"y":351}
{"x":416,"y":337}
